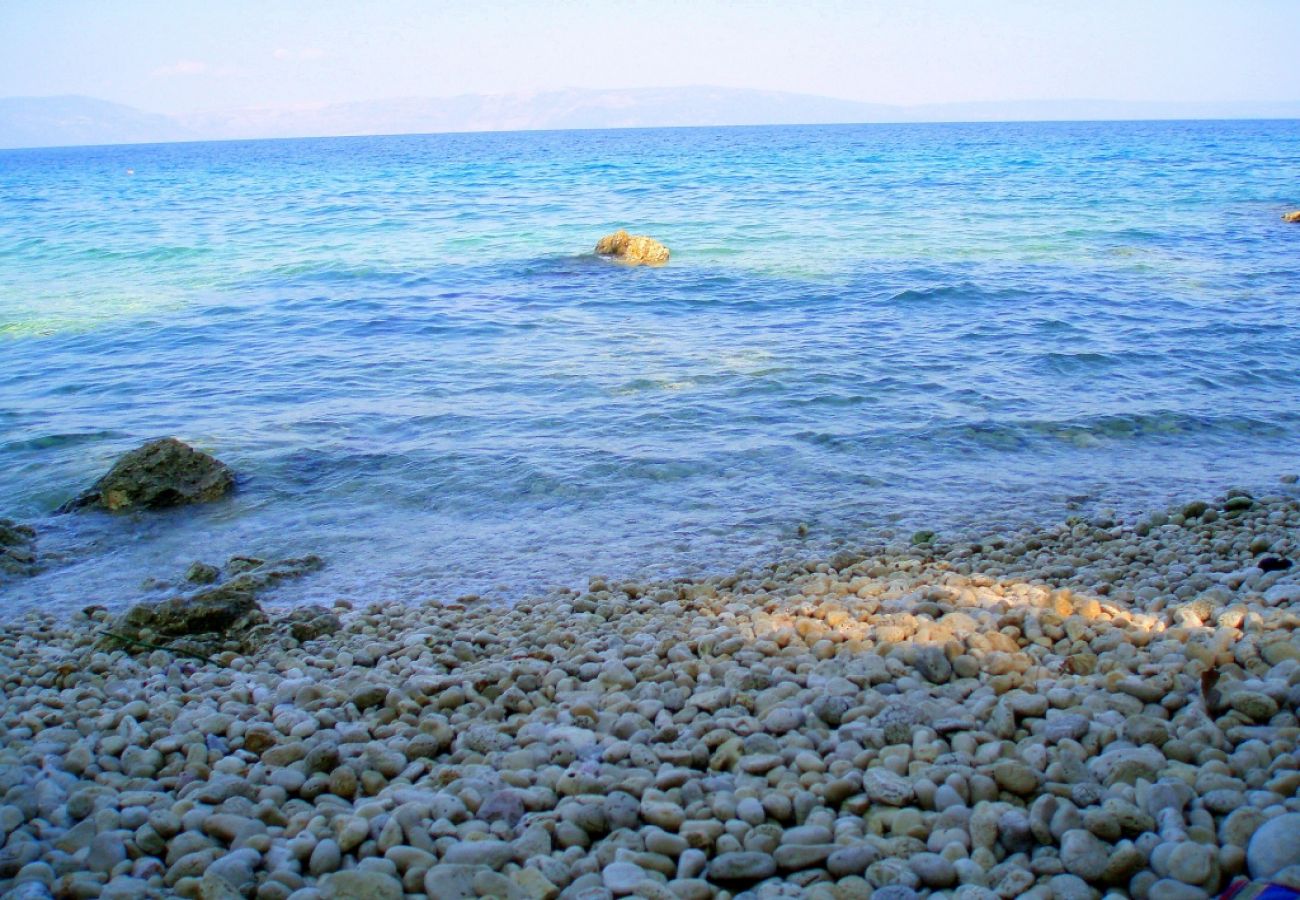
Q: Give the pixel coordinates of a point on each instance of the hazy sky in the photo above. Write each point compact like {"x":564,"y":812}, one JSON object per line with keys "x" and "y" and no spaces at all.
{"x":181,"y":56}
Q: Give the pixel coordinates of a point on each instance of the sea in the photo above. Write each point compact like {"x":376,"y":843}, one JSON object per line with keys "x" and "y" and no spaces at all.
{"x":407,"y":350}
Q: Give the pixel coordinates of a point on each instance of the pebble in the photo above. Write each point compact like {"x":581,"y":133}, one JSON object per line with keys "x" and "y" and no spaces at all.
{"x":934,"y":870}
{"x":450,"y":882}
{"x":503,"y":806}
{"x":491,"y":853}
{"x":783,"y":719}
{"x":106,"y":851}
{"x":851,"y":860}
{"x":895,"y":892}
{"x":884,"y":786}
{"x":1171,"y":889}
{"x":794,"y":857}
{"x":622,"y":877}
{"x":34,"y":890}
{"x":1069,"y":887}
{"x":1083,"y":854}
{"x":741,"y":866}
{"x":1274,"y":846}
{"x":1015,"y":777}
{"x":669,"y":816}
{"x":325,"y":858}
{"x":750,"y":810}
{"x":1065,"y":727}
{"x":1191,"y":863}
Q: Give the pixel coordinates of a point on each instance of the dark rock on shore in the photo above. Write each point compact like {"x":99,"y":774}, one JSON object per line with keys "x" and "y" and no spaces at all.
{"x":633,"y":249}
{"x":202,"y":573}
{"x":237,"y":565}
{"x":228,"y":607}
{"x":17,"y":550}
{"x":164,"y":472}
{"x":310,"y":622}
{"x":224,"y":612}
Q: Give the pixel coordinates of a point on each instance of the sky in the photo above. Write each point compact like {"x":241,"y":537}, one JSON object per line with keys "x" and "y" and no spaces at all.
{"x":184,"y":56}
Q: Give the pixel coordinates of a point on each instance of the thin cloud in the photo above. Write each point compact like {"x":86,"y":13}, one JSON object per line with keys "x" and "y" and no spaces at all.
{"x":181,"y":68}
{"x":301,"y":54}
{"x":193,"y":68}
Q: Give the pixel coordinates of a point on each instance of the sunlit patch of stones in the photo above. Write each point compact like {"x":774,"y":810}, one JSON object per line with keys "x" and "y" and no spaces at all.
{"x":1097,"y":709}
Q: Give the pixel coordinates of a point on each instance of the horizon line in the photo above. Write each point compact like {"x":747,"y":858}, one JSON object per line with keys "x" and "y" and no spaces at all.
{"x":683,"y":87}
{"x":516,"y":131}
{"x":395,"y":117}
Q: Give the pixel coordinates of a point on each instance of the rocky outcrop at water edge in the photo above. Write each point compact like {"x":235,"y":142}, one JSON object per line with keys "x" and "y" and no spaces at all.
{"x":162,"y":473}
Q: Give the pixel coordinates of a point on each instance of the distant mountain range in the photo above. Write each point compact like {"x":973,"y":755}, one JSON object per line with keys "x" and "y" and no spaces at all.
{"x":77,"y":120}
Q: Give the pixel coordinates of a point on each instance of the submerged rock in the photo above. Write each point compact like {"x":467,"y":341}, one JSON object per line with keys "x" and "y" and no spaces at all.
{"x":164,"y":472}
{"x":1291,"y":216}
{"x":633,"y":249}
{"x":17,"y":550}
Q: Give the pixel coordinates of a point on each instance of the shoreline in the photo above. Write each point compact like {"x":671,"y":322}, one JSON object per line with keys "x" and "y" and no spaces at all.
{"x":1087,"y":708}
{"x":71,"y":558}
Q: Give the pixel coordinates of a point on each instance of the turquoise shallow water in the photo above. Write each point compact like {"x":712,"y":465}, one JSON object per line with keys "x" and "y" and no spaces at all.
{"x":405,"y":350}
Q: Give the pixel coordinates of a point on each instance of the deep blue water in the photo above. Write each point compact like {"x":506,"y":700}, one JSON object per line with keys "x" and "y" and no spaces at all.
{"x":405,"y":348}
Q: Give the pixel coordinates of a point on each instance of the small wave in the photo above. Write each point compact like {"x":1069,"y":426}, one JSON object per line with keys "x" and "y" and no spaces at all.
{"x":151,"y":254}
{"x":58,"y":441}
{"x":24,"y":247}
{"x":419,"y":478}
{"x":1065,"y":363}
{"x":835,"y":400}
{"x":1037,"y":435}
{"x":1086,"y":430}
{"x":322,"y":272}
{"x":1057,"y":326}
{"x":967,"y":291}
{"x":612,"y":471}
{"x":639,"y":385}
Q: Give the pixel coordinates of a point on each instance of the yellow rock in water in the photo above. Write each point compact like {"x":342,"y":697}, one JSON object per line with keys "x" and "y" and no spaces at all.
{"x":1291,"y":216}
{"x":633,"y":249}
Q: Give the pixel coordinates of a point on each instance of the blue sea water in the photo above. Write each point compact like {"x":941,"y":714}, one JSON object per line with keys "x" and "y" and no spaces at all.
{"x":407,"y":351}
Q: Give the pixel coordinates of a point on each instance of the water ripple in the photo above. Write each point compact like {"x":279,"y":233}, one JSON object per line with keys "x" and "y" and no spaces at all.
{"x":421,"y":371}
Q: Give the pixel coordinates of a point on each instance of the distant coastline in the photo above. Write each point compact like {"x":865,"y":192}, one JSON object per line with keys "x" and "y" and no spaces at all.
{"x":73,"y":120}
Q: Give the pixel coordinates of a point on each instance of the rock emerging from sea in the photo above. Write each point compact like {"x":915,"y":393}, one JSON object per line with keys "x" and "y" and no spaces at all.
{"x":164,"y":472}
{"x":1291,"y":216}
{"x":632,"y":249}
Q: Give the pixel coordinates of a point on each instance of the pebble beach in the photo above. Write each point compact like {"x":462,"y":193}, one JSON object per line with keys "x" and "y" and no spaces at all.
{"x":1097,"y":709}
